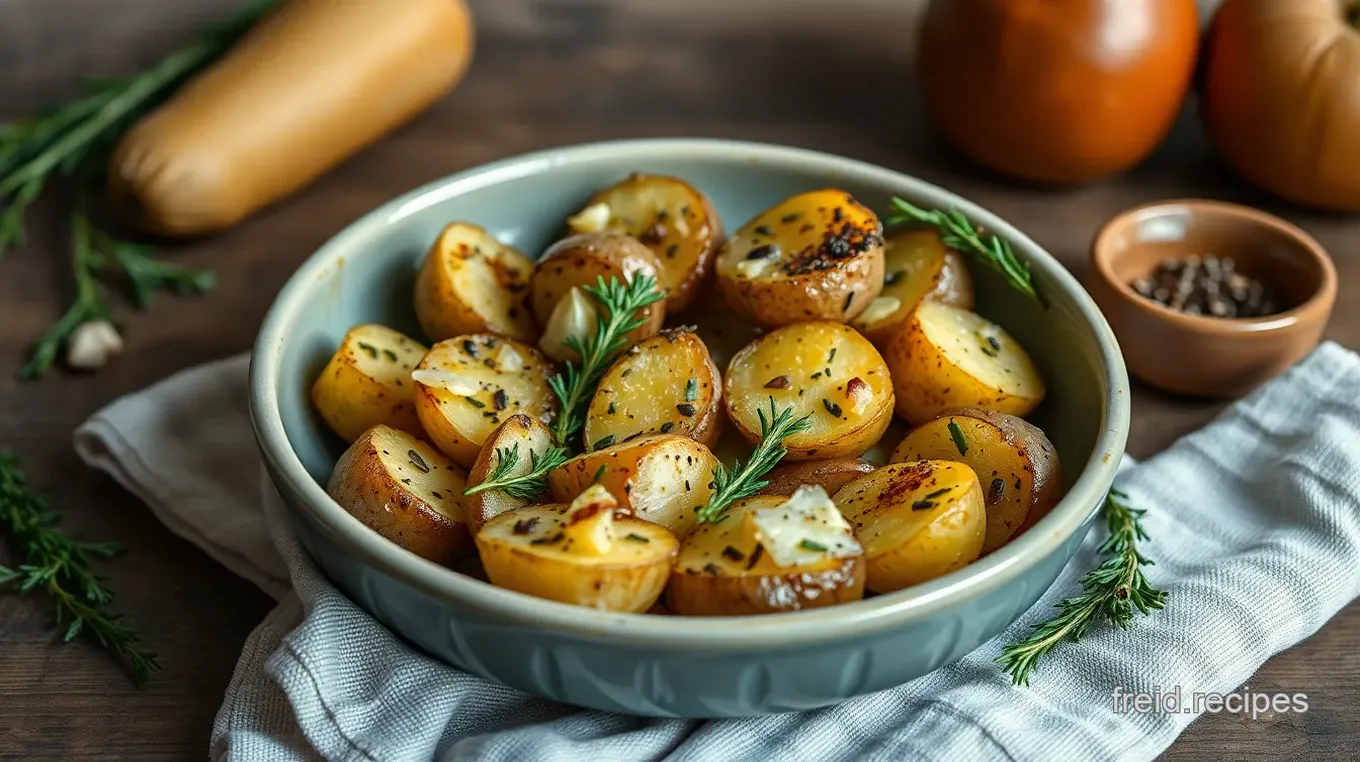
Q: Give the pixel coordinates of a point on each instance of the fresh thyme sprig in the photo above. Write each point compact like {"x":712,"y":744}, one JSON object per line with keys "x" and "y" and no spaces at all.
{"x":741,"y":481}
{"x":61,"y":565}
{"x":575,"y":386}
{"x":959,"y":234}
{"x":527,"y":486}
{"x":1112,"y":591}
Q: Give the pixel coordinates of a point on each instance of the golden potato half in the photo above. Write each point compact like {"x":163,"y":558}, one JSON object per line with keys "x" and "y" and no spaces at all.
{"x":368,"y":382}
{"x":943,"y":357}
{"x":527,"y":440}
{"x":1015,"y":463}
{"x":406,"y":491}
{"x":916,"y":521}
{"x":580,"y":261}
{"x":472,"y":283}
{"x":815,"y":256}
{"x":827,"y":371}
{"x":468,"y":385}
{"x":830,"y":475}
{"x":666,"y":384}
{"x":916,"y":266}
{"x":668,"y":216}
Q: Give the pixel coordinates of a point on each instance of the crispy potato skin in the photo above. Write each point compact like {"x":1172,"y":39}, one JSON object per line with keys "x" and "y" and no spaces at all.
{"x":829,"y":264}
{"x":830,"y":475}
{"x":648,"y":389}
{"x":471,"y":283}
{"x":917,"y":266}
{"x":1016,"y":464}
{"x":529,"y":435}
{"x":581,"y":260}
{"x":362,"y":385}
{"x":372,"y":491}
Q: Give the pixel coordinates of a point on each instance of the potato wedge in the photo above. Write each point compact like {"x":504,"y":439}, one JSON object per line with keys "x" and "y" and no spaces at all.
{"x":529,"y":439}
{"x":662,"y":478}
{"x":406,"y":491}
{"x":472,"y":283}
{"x":368,"y":382}
{"x":582,"y":554}
{"x":830,"y":475}
{"x":580,"y":261}
{"x":722,"y":330}
{"x":824,"y":370}
{"x":1015,"y":463}
{"x":916,"y":521}
{"x":727,"y":569}
{"x":466,"y":386}
{"x":666,"y":384}
{"x":670,"y":217}
{"x":815,"y":256}
{"x":916,"y":266}
{"x":944,"y":357}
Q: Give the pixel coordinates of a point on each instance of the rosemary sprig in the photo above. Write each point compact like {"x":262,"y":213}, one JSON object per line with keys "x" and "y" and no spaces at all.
{"x":575,"y":386}
{"x":61,"y":565}
{"x":741,"y":481}
{"x":527,"y":486}
{"x":1112,"y":591}
{"x":959,"y":234}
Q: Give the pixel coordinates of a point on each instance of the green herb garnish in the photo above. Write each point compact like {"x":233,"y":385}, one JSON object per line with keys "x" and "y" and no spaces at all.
{"x":691,"y":390}
{"x":813,"y":546}
{"x":527,"y":486}
{"x":741,"y":481}
{"x":956,"y":434}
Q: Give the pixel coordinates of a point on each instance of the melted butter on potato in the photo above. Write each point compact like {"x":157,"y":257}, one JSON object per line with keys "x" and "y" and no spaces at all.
{"x":804,"y":529}
{"x":667,"y":384}
{"x":368,"y":382}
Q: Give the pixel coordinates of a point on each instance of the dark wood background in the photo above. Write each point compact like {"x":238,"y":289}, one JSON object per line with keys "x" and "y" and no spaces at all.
{"x":828,"y":75}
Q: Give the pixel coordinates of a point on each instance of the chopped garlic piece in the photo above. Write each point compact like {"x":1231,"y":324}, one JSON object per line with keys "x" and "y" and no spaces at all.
{"x":590,"y":520}
{"x":806,"y":529}
{"x":880,"y":308}
{"x":92,"y":344}
{"x":510,"y":360}
{"x":446,"y":380}
{"x":754,"y":268}
{"x":858,"y":393}
{"x":592,"y":219}
{"x":574,"y":316}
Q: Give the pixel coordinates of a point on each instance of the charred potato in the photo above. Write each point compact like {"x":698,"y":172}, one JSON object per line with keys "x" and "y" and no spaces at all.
{"x":662,"y":478}
{"x":769,"y":554}
{"x":668,"y":216}
{"x":368,"y":382}
{"x":826,"y":371}
{"x":916,"y":521}
{"x":472,"y":283}
{"x":406,"y":491}
{"x":526,"y":441}
{"x":1015,"y":463}
{"x":943,"y":357}
{"x":815,"y":256}
{"x":830,"y":475}
{"x":583,"y":554}
{"x":466,"y":386}
{"x":666,"y":384}
{"x":916,"y":266}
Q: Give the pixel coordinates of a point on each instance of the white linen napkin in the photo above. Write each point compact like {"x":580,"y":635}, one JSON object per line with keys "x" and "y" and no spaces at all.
{"x":1254,"y":527}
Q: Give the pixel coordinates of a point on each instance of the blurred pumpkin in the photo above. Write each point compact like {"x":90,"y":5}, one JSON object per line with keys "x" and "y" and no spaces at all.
{"x":1057,"y":91}
{"x":1281,"y":97}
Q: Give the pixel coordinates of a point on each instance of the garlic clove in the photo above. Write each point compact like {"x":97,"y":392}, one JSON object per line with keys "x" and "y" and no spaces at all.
{"x":92,"y":344}
{"x":574,"y":316}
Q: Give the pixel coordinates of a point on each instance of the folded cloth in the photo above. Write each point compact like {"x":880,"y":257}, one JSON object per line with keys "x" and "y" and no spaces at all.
{"x":1253,"y":524}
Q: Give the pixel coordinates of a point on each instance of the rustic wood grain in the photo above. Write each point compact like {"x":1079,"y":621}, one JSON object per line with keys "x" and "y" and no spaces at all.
{"x":831,"y":76}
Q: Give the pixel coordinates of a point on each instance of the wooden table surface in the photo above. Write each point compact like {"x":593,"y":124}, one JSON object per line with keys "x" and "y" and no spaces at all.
{"x":831,"y":76}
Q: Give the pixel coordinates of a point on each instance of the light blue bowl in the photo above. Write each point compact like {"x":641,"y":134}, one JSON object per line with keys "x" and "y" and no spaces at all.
{"x":654,"y":665}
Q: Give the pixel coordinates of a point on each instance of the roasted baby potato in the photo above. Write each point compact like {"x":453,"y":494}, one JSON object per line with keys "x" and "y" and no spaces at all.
{"x":583,"y":554}
{"x":916,"y":266}
{"x":662,"y":478}
{"x":916,"y":521}
{"x":769,"y":554}
{"x":815,"y":256}
{"x":525,"y":440}
{"x":943,"y":357}
{"x":466,"y":386}
{"x":669,"y":217}
{"x":580,"y":261}
{"x":472,"y":283}
{"x":406,"y":491}
{"x":666,"y":384}
{"x":368,"y":382}
{"x":826,"y":371}
{"x":1015,"y":463}
{"x":830,"y":475}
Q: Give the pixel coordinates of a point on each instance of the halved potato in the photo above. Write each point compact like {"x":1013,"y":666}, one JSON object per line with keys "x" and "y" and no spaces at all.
{"x":368,"y":382}
{"x":406,"y":491}
{"x":582,"y":554}
{"x":830,"y":475}
{"x":466,"y":386}
{"x":730,"y":568}
{"x":472,"y":283}
{"x":722,"y":330}
{"x":670,"y":217}
{"x":662,"y":478}
{"x":529,"y":439}
{"x":943,"y":357}
{"x":815,"y":256}
{"x":666,"y":384}
{"x":825,"y":370}
{"x":578,"y":262}
{"x":1015,"y":463}
{"x":916,"y":521}
{"x":916,"y":266}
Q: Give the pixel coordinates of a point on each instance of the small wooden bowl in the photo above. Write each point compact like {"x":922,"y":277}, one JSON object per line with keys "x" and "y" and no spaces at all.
{"x":1201,"y":355}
